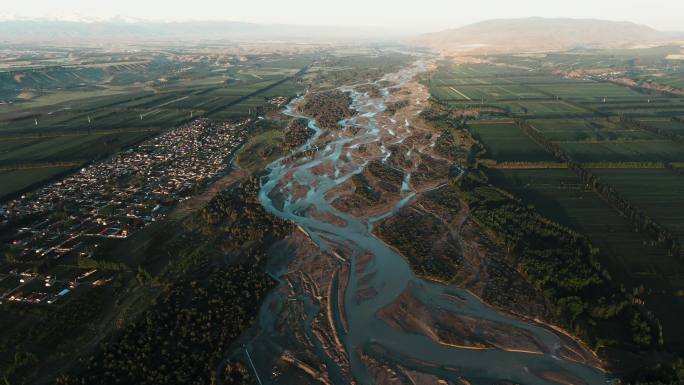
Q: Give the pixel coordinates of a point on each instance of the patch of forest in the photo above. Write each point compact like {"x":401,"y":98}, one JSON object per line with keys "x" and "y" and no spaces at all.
{"x":364,"y":190}
{"x":561,"y":264}
{"x":643,"y":222}
{"x":328,"y":107}
{"x":372,"y":89}
{"x":182,"y":339}
{"x":184,"y":336}
{"x":444,"y":200}
{"x":358,"y":68}
{"x":453,"y":141}
{"x":51,"y":328}
{"x":390,"y":178}
{"x":425,"y":242}
{"x":297,"y":133}
{"x":393,"y":107}
{"x":430,"y":170}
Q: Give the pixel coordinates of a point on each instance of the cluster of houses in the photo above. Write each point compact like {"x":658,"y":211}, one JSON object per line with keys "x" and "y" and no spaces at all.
{"x":30,"y":287}
{"x":116,"y":197}
{"x":279,"y":101}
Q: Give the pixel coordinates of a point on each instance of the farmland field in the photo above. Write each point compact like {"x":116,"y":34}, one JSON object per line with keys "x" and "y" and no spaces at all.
{"x":587,"y":90}
{"x":585,"y":119}
{"x":67,"y":147}
{"x":559,"y":195}
{"x":450,"y":81}
{"x":657,"y":192}
{"x":479,"y":70}
{"x":18,"y":180}
{"x":624,"y":151}
{"x":587,"y":129}
{"x":672,"y":79}
{"x":555,"y":108}
{"x":665,"y":124}
{"x":447,"y":93}
{"x":505,"y":142}
{"x":77,"y":125}
{"x":629,"y":256}
{"x":495,"y":174}
{"x":470,"y":92}
{"x":641,"y":110}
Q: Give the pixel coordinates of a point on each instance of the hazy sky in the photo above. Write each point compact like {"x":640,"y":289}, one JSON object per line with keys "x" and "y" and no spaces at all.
{"x":407,"y":15}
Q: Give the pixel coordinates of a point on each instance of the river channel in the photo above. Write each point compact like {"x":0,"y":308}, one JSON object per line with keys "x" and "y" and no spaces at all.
{"x":376,"y":269}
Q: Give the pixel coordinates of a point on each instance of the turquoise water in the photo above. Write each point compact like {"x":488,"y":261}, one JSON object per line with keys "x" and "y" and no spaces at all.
{"x":387,"y":273}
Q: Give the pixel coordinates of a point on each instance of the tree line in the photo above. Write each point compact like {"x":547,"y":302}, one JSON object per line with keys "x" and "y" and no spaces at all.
{"x":328,"y":107}
{"x":642,"y":222}
{"x":628,"y":122}
{"x":562,"y":265}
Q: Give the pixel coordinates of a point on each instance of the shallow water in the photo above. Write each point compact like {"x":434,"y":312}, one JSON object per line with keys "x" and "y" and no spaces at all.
{"x":387,"y":273}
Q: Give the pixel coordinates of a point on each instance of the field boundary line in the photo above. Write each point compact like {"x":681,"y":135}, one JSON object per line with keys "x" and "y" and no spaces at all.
{"x":460,"y":93}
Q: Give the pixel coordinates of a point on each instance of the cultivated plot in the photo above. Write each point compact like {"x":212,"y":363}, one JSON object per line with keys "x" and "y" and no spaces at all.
{"x":505,"y":142}
{"x":631,"y":258}
{"x":657,"y":192}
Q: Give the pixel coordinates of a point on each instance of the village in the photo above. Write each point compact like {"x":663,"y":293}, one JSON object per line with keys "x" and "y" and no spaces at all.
{"x":107,"y":200}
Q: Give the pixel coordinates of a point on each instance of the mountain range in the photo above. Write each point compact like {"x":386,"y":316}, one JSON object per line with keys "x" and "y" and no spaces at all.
{"x":126,"y":29}
{"x":544,"y":34}
{"x":501,"y":35}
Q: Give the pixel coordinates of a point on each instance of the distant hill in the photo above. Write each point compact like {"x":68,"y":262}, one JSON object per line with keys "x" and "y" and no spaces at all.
{"x":41,"y":30}
{"x":542,"y":34}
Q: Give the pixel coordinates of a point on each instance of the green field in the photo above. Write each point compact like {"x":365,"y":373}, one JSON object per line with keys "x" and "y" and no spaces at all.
{"x":452,"y":79}
{"x":539,"y":94}
{"x":449,"y":81}
{"x":587,"y":90}
{"x":624,"y":151}
{"x":629,"y":256}
{"x":657,"y":192}
{"x":447,"y":93}
{"x":640,"y":109}
{"x":477,"y":71}
{"x":485,"y":92}
{"x":555,"y":108}
{"x":668,"y":125}
{"x":586,"y":119}
{"x":560,"y":196}
{"x":615,"y":59}
{"x":115,"y":111}
{"x":672,"y":79}
{"x":505,"y":142}
{"x":587,"y":130}
{"x":19,"y":180}
{"x":67,"y":148}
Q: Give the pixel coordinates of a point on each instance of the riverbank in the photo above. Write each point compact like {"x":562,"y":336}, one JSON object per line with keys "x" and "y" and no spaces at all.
{"x":312,"y":312}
